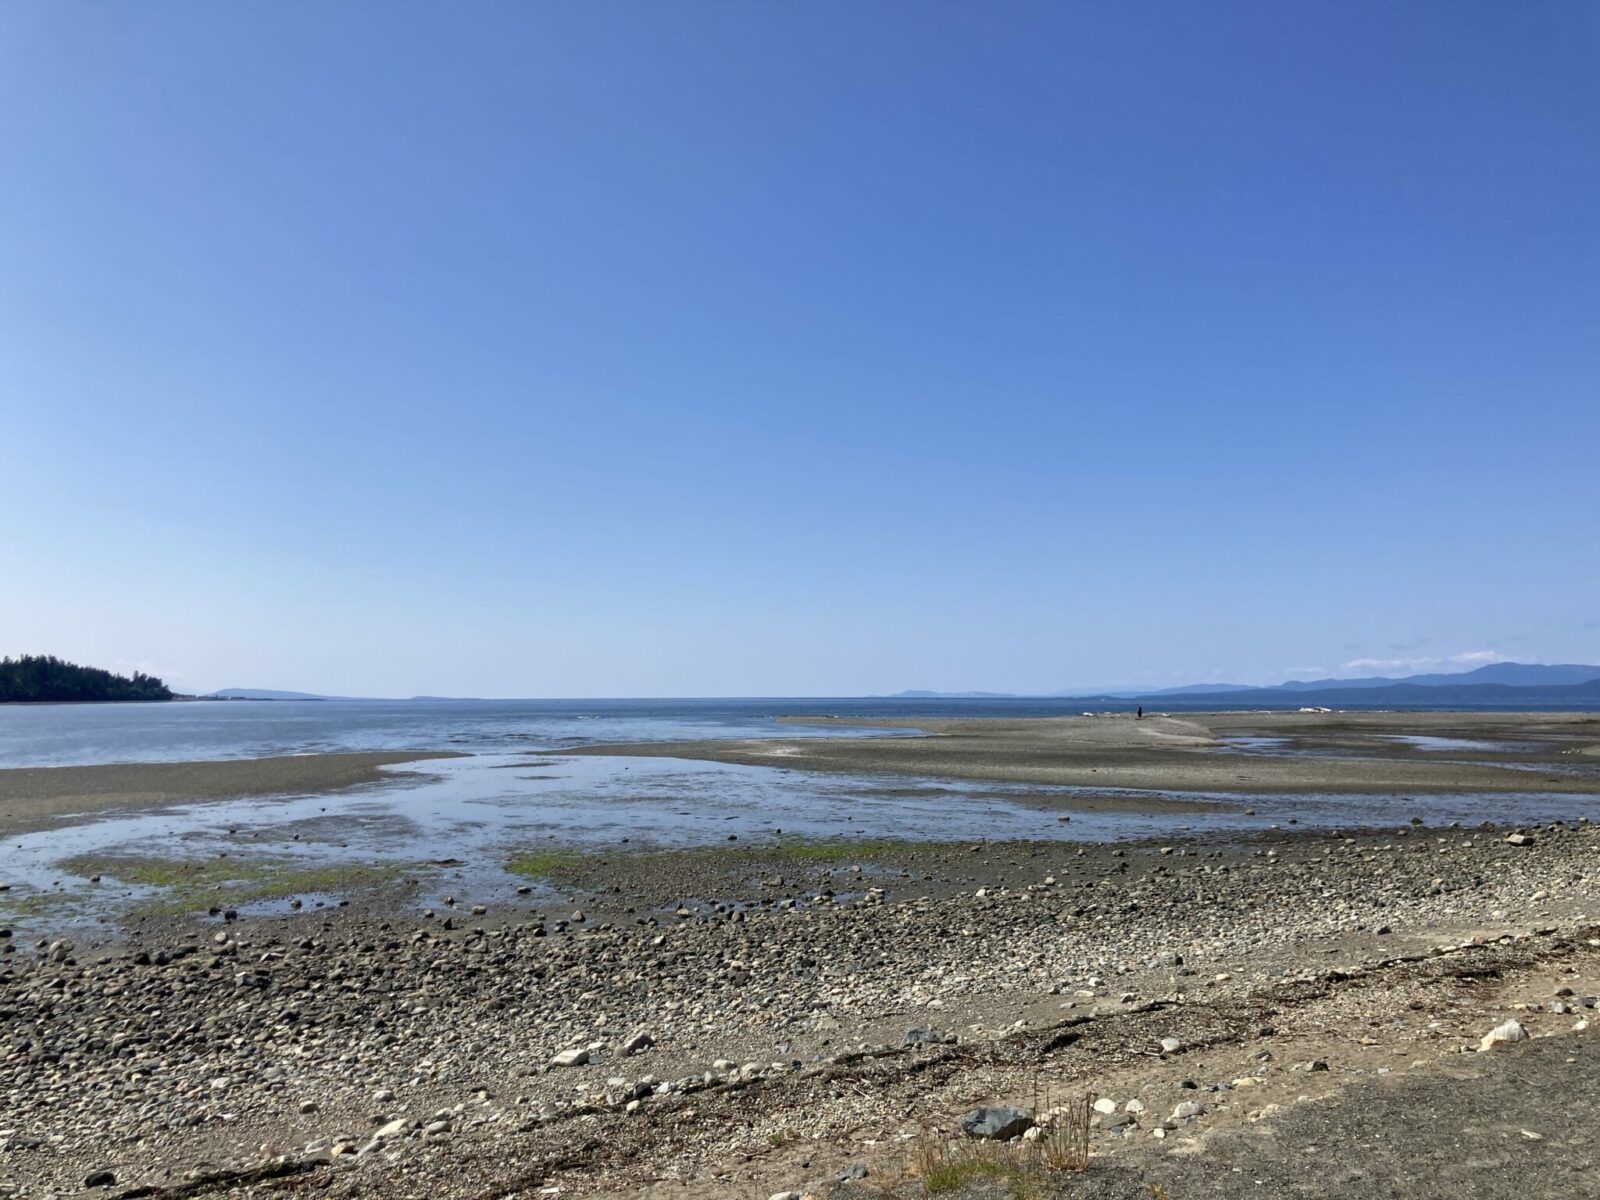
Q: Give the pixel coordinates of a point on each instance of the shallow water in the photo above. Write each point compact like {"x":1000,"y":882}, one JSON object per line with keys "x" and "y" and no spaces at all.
{"x":54,"y":735}
{"x":80,"y":734}
{"x":484,"y":810}
{"x":1426,"y":742}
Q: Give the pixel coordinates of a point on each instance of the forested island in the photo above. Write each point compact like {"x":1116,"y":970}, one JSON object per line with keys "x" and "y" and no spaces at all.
{"x":45,"y":679}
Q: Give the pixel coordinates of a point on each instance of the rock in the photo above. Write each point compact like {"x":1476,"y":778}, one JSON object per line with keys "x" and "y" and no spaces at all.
{"x":852,"y":1173}
{"x":918,"y":1035}
{"x":1187,"y":1111}
{"x":570,"y":1058}
{"x":393,"y":1129}
{"x":996,"y":1124}
{"x":1170,"y":1045}
{"x":99,"y":1179}
{"x":1519,"y":839}
{"x":1510,"y":1031}
{"x":308,"y":1106}
{"x":1134,"y":1106}
{"x":640,"y":1041}
{"x":1105,"y":1105}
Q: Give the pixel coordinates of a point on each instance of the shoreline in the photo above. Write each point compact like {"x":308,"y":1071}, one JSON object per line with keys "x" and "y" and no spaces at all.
{"x":38,"y":798}
{"x":1341,"y":752}
{"x":747,"y":1018}
{"x":854,"y":1011}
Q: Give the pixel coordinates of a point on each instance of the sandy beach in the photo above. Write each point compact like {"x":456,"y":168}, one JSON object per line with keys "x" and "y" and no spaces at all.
{"x":1323,"y":752}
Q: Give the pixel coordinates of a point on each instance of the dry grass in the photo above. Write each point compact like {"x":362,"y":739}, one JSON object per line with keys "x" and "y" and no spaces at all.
{"x":1065,"y":1144}
{"x":938,"y":1165}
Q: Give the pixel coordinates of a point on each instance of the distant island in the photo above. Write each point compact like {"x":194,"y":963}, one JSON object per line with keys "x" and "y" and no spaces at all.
{"x":1544,"y":684}
{"x":262,"y":694}
{"x":46,"y":679}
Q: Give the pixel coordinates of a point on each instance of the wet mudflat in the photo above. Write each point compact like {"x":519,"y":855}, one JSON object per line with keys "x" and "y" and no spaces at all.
{"x":486,"y":825}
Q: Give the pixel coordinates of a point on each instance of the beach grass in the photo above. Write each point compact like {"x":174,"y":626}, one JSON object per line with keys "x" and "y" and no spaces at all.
{"x":195,"y":883}
{"x":568,"y":864}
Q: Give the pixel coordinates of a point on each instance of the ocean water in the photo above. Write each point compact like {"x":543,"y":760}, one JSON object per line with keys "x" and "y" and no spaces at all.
{"x":81,"y":734}
{"x":53,"y":735}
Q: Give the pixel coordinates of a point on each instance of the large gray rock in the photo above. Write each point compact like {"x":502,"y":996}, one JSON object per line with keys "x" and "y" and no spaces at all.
{"x":999,"y":1124}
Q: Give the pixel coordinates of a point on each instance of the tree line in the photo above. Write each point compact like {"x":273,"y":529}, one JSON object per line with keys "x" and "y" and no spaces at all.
{"x":45,"y":678}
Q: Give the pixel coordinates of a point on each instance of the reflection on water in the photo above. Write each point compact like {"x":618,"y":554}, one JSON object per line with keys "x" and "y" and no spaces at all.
{"x":1426,"y":742}
{"x":470,"y":815}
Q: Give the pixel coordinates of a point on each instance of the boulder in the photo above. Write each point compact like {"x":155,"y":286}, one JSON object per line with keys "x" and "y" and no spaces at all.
{"x":996,"y":1124}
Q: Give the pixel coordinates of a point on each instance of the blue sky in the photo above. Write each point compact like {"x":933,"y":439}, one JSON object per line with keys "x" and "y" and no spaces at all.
{"x":810,"y":348}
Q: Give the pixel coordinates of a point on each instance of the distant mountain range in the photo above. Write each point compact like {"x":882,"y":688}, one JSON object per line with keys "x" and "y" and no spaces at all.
{"x":1512,"y":683}
{"x":262,"y":694}
{"x":271,"y":694}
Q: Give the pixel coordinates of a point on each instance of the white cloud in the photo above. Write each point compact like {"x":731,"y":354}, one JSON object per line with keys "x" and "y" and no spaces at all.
{"x":1465,"y":661}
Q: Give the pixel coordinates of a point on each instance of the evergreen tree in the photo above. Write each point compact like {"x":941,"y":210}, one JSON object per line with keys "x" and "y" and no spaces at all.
{"x":44,"y":678}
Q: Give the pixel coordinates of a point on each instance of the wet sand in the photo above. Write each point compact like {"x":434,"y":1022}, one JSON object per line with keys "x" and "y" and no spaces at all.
{"x":1326,"y":752}
{"x":33,"y":798}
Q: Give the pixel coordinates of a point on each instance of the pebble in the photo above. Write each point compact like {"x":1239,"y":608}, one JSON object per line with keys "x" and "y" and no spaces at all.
{"x":347,"y":1005}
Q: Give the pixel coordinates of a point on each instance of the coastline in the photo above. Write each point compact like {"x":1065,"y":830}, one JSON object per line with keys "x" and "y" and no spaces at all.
{"x":816,"y":1025}
{"x":743,"y":1018}
{"x":1357,"y":753}
{"x":35,"y":798}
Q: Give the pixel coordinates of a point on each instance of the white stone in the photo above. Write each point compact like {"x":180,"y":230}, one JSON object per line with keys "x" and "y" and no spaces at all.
{"x":1511,"y":1031}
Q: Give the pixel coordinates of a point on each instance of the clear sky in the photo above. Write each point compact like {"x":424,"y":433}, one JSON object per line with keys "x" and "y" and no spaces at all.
{"x":747,"y":348}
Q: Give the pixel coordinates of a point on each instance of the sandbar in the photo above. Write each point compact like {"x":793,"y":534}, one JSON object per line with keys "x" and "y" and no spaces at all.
{"x":33,"y":798}
{"x":1322,"y":752}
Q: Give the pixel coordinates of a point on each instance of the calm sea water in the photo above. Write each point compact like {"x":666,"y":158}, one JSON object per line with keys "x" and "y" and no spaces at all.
{"x":81,"y":734}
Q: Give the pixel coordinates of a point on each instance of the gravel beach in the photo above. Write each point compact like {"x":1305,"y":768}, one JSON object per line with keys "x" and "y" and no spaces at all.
{"x":735,"y":1022}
